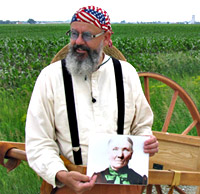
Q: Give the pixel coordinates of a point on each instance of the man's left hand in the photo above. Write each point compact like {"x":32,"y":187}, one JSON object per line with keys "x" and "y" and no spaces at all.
{"x":151,"y":145}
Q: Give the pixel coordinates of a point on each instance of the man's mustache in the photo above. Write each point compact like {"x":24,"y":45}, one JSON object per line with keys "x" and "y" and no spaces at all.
{"x":82,"y":47}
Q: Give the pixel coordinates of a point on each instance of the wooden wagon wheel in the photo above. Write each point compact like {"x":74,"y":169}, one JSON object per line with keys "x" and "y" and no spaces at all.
{"x":177,"y":91}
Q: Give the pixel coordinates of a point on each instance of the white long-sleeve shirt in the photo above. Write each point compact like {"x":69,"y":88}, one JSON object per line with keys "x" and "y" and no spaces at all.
{"x":47,"y":129}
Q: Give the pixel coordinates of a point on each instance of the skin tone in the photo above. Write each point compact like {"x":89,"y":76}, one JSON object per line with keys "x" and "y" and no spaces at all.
{"x":151,"y":145}
{"x":94,"y":43}
{"x":120,"y":152}
{"x":75,"y":180}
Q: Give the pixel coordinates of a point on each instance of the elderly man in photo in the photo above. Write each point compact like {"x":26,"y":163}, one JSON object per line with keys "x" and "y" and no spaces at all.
{"x":76,"y":97}
{"x":120,"y":151}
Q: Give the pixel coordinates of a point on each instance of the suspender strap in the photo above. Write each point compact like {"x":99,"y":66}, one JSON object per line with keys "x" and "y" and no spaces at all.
{"x":71,"y":110}
{"x":120,"y":95}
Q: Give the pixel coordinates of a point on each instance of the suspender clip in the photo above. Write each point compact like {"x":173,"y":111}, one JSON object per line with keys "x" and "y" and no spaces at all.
{"x":76,"y":149}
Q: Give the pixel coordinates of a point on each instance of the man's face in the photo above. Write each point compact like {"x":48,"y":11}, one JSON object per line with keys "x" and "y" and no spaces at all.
{"x":81,"y":46}
{"x":84,"y":56}
{"x":120,"y":152}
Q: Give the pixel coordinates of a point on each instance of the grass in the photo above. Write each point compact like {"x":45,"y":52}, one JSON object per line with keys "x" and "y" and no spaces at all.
{"x":172,"y":50}
{"x":21,"y":180}
{"x":12,"y":115}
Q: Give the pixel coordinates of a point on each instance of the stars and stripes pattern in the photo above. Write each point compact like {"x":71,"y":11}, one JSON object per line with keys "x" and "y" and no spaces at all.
{"x":93,"y":15}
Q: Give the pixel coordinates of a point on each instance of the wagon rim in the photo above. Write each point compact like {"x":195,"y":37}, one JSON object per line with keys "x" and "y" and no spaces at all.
{"x":178,"y":91}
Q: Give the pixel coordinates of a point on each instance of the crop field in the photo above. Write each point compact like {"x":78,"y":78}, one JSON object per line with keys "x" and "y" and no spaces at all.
{"x":171,"y":50}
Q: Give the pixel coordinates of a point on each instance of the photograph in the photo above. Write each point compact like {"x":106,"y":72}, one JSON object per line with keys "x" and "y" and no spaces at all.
{"x":118,"y":159}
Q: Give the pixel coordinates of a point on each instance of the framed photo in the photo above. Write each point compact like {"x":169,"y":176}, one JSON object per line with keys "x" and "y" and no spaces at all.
{"x":118,"y":159}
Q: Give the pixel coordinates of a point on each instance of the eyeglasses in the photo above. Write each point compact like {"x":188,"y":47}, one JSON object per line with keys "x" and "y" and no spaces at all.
{"x":86,"y":36}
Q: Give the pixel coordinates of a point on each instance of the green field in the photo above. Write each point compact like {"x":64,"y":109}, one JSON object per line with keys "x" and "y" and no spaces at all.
{"x":171,"y":50}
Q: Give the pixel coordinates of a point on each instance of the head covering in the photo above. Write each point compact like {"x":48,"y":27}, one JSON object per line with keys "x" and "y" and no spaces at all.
{"x":93,"y":15}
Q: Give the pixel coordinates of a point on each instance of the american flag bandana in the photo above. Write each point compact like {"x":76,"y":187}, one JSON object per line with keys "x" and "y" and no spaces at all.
{"x":93,"y":15}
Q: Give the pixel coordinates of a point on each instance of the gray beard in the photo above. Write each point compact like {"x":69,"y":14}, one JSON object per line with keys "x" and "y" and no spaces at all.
{"x":78,"y":64}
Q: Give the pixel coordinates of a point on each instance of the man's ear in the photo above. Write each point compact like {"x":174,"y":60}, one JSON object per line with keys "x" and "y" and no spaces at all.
{"x":131,"y":155}
{"x":107,"y":38}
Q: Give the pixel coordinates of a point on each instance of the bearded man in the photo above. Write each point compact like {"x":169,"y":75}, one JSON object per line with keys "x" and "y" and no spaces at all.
{"x":76,"y":97}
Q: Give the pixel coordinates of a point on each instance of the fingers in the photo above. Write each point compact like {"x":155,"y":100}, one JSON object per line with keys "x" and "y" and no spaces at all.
{"x":80,"y":177}
{"x":151,"y":145}
{"x":93,"y":179}
{"x":86,"y":186}
{"x":78,"y":182}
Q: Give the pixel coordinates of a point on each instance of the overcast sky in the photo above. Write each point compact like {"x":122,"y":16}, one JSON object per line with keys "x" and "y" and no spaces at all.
{"x":129,"y":10}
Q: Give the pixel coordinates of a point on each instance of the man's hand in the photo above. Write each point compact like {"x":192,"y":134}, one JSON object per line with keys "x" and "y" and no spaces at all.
{"x":76,"y":181}
{"x":151,"y":145}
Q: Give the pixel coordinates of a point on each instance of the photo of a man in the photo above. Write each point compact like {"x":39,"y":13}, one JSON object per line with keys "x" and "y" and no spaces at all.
{"x":120,"y":151}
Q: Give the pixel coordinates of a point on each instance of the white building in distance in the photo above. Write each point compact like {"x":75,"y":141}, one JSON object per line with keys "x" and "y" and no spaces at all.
{"x":193,"y":20}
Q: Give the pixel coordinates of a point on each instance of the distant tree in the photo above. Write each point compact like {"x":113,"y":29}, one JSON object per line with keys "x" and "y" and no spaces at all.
{"x":7,"y":22}
{"x":123,"y":22}
{"x":31,"y":21}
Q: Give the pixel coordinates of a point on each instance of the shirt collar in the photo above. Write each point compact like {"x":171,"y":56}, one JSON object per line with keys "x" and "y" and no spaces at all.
{"x":105,"y":60}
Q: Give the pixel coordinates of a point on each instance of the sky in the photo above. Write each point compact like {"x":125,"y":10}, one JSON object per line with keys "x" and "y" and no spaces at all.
{"x":128,"y":10}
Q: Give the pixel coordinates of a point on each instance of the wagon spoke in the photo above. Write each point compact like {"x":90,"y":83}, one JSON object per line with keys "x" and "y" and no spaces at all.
{"x":179,"y":190}
{"x":149,"y":189}
{"x":158,"y":189}
{"x":146,"y":88}
{"x":170,"y":111}
{"x":189,"y":128}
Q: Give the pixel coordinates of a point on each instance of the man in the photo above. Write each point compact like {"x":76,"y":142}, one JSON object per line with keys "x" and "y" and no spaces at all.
{"x":48,"y":131}
{"x":120,"y":151}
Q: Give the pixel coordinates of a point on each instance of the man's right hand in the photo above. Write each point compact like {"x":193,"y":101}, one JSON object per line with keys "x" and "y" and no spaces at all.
{"x":76,"y":181}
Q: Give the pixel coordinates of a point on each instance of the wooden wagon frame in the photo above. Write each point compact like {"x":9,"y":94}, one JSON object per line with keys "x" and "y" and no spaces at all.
{"x":176,"y":163}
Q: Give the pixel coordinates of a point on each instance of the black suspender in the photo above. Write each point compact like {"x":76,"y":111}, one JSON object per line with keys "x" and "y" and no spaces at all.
{"x":71,"y":110}
{"x":120,"y":95}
